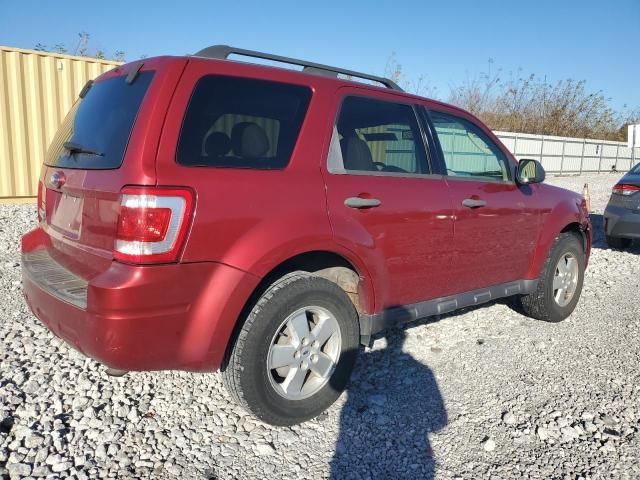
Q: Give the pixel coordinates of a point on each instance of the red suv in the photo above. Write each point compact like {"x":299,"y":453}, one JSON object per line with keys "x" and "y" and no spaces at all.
{"x":198,"y":213}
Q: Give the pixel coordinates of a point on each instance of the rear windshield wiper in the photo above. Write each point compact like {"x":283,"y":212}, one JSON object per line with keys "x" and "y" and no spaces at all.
{"x":77,"y":148}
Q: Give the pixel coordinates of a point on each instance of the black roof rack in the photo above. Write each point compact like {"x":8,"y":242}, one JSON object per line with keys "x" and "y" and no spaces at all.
{"x":223,"y":52}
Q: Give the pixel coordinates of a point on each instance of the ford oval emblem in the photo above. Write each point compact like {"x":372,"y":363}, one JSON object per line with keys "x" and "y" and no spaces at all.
{"x":57,"y":179}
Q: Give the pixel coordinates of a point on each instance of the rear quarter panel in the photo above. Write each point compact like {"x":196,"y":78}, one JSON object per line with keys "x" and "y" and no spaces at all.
{"x":631,"y":202}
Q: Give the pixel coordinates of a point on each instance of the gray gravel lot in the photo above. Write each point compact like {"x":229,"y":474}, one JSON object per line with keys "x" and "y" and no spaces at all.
{"x":485,"y":393}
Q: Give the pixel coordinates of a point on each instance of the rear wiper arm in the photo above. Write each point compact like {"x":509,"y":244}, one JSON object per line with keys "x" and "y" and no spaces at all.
{"x":77,"y":148}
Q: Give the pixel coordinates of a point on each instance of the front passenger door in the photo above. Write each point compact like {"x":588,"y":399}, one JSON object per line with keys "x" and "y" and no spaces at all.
{"x":496,"y":224}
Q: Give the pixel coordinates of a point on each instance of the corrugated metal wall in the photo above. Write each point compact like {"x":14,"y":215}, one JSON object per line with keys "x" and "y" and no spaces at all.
{"x":464,"y":152}
{"x":571,"y":155}
{"x":37,"y":89}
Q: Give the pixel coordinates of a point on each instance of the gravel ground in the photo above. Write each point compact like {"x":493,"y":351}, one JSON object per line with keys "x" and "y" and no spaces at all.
{"x":485,"y":393}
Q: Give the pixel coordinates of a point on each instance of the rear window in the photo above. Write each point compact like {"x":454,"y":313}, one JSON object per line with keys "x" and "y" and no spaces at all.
{"x":241,"y":123}
{"x":100,"y":122}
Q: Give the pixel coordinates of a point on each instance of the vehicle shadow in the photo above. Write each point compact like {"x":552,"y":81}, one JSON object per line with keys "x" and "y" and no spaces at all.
{"x":393,"y":404}
{"x":599,"y":241}
{"x":597,"y":229}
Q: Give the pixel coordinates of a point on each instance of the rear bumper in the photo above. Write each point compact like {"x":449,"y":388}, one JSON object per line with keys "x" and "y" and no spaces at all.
{"x":162,"y":317}
{"x":622,"y":222}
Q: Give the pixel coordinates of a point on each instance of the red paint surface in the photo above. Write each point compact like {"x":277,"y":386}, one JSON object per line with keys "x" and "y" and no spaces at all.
{"x":419,"y":244}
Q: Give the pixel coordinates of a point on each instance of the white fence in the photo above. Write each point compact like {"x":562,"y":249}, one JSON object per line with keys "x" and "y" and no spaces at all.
{"x":571,"y":155}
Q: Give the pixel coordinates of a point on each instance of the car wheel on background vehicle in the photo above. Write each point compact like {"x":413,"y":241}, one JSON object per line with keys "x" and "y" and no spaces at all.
{"x":560,"y":282}
{"x":295,"y":351}
{"x":617,"y":242}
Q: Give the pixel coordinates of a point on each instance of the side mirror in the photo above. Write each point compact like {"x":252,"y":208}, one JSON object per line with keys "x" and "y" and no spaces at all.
{"x":529,"y":171}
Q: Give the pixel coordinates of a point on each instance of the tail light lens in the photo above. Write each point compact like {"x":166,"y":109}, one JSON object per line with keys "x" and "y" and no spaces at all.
{"x":626,"y":190}
{"x":152,"y":224}
{"x":42,"y":209}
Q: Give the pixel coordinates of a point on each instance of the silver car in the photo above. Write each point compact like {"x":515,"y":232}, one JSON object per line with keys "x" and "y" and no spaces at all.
{"x":622,"y":215}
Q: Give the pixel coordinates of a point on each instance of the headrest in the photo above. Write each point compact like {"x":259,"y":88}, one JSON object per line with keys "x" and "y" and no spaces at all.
{"x":356,"y":154}
{"x":218,"y":144}
{"x":249,"y":140}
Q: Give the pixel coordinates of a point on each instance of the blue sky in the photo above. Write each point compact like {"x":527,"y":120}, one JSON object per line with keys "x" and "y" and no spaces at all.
{"x":445,"y":41}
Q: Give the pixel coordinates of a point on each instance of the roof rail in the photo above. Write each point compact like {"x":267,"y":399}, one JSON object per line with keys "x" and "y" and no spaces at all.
{"x":223,"y":51}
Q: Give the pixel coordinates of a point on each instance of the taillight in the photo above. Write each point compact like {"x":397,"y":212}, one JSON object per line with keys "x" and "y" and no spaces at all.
{"x":42,"y":209}
{"x":152,"y":224}
{"x":624,"y":189}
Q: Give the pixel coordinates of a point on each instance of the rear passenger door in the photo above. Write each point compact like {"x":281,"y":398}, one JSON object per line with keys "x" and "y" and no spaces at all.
{"x":384,"y":202}
{"x":496,"y":223}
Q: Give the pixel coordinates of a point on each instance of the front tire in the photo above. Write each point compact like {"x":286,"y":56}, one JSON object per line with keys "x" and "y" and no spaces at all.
{"x":560,"y":282}
{"x":295,"y":351}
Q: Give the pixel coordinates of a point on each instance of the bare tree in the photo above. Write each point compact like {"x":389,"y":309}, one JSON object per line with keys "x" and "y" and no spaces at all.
{"x":420,"y":86}
{"x":532,"y":105}
{"x":83,"y":42}
{"x":82,"y":49}
{"x":57,"y":48}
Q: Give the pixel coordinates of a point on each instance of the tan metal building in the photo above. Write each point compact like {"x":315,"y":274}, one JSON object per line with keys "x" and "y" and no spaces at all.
{"x":37,"y":90}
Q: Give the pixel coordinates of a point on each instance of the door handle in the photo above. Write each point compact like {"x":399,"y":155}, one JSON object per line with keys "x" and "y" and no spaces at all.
{"x":473,"y":203}
{"x":359,"y":202}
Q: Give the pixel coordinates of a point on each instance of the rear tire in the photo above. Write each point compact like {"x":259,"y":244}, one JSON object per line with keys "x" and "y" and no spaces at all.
{"x":307,"y":327}
{"x":618,"y":243}
{"x":560,"y":282}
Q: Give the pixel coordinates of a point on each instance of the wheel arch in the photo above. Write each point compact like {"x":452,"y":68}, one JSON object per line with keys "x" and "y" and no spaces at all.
{"x":564,"y":218}
{"x":581,"y":231}
{"x":337,"y":267}
{"x":351,"y":276}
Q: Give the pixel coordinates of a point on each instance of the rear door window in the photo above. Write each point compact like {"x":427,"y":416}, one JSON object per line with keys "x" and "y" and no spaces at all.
{"x":241,"y":123}
{"x":100,"y":122}
{"x":377,"y":136}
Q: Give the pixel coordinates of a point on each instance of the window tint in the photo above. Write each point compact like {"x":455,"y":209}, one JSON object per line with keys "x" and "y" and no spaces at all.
{"x":241,"y":123}
{"x":467,"y":151}
{"x":101,"y":121}
{"x":376,"y":136}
